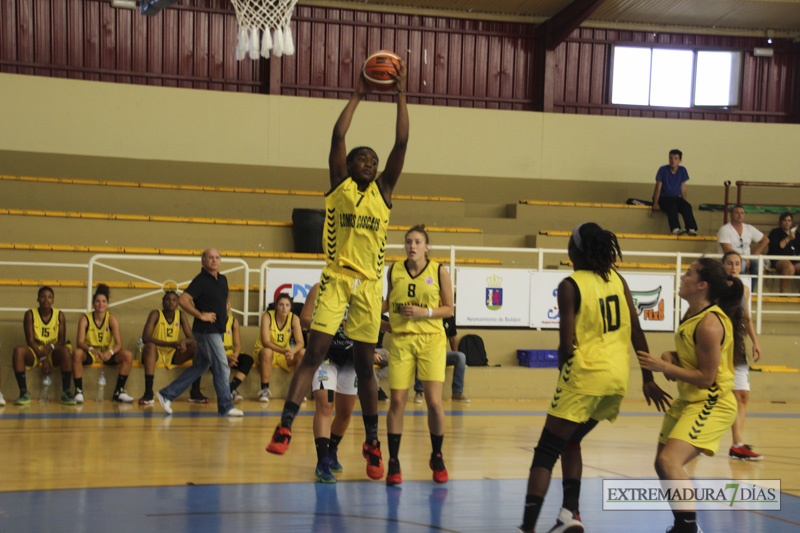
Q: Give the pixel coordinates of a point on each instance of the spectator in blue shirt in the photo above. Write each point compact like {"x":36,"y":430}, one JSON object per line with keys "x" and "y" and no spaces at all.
{"x":670,"y":195}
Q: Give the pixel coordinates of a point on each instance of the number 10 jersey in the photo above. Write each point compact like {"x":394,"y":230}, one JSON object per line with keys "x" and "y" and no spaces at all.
{"x":600,"y":364}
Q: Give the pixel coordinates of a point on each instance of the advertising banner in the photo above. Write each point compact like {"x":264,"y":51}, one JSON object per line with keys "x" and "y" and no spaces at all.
{"x":493,"y":297}
{"x":296,"y":282}
{"x":653,"y":296}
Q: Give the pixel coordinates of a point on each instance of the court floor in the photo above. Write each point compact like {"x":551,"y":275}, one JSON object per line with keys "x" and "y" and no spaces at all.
{"x":124,"y":468}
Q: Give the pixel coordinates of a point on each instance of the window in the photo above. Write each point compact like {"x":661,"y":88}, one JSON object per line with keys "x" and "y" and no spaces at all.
{"x":675,"y":78}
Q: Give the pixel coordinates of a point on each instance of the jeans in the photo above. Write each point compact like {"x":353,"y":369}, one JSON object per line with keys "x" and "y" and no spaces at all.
{"x":672,"y":205}
{"x":210,"y":354}
{"x":459,"y":362}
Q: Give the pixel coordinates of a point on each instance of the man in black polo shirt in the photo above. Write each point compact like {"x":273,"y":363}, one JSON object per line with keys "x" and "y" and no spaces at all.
{"x":206,"y":300}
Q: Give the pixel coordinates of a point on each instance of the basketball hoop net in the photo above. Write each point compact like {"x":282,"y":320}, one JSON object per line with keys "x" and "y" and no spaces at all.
{"x":271,"y":18}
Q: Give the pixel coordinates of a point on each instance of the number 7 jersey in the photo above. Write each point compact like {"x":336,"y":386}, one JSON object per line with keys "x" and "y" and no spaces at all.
{"x":600,"y":364}
{"x":356,"y":225}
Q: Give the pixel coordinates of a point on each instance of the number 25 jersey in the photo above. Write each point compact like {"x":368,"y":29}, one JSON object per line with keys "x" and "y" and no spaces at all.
{"x":600,"y":364}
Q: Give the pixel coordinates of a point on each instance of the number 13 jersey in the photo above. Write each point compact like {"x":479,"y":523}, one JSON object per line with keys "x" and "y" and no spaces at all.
{"x":600,"y":364}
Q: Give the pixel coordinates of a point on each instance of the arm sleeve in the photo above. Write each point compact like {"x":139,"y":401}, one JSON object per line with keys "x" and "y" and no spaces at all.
{"x":723,"y":236}
{"x":755,"y":234}
{"x":685,"y":175}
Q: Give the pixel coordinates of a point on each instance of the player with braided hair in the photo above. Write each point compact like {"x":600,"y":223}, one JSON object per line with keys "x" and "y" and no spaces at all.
{"x":598,"y":322}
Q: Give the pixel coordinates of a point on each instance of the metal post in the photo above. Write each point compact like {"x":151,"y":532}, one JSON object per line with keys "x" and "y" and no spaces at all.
{"x":453,"y":272}
{"x":760,"y":284}
{"x":725,"y":207}
{"x":678,"y":264}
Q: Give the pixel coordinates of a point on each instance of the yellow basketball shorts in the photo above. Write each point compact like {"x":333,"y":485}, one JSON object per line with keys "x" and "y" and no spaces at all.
{"x":36,"y":362}
{"x":340,"y":288}
{"x":578,"y":407}
{"x":701,"y":424}
{"x":165,"y":355}
{"x":94,"y":359}
{"x":278,"y":359}
{"x":424,"y":353}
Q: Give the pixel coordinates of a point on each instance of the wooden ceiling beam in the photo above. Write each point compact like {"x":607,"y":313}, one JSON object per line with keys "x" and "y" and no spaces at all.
{"x":557,"y":28}
{"x":547,"y":37}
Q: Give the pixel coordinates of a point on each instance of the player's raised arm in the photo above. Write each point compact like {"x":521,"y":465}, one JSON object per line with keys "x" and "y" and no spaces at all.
{"x":397,"y":157}
{"x":337,"y":160}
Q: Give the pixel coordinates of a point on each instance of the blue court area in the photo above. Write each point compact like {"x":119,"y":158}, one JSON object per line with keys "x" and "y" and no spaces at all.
{"x":414,"y":507}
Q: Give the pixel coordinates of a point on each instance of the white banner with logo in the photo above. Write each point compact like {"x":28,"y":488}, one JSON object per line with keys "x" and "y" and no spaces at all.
{"x":544,"y":298}
{"x":652,"y":295}
{"x":654,"y":298}
{"x":296,"y":282}
{"x":493,"y":297}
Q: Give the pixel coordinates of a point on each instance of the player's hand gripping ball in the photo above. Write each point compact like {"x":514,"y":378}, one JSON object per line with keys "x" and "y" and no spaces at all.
{"x":379,"y":68}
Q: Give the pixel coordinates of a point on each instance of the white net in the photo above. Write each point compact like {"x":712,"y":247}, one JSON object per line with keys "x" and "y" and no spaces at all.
{"x":264,"y":27}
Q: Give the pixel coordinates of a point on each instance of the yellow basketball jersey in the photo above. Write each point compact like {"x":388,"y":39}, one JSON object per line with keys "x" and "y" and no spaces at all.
{"x":685,"y":345}
{"x":99,"y":337}
{"x":227,"y":337}
{"x":277,"y":335}
{"x":45,"y":332}
{"x":601,"y":362}
{"x":421,"y":290}
{"x":356,"y":225}
{"x":168,"y":331}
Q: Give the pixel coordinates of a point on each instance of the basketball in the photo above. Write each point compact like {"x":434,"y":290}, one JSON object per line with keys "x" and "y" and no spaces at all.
{"x":378,"y":68}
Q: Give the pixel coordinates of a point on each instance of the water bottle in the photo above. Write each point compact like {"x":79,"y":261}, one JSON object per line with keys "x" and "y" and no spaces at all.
{"x":46,"y":382}
{"x":101,"y":387}
{"x":140,"y":347}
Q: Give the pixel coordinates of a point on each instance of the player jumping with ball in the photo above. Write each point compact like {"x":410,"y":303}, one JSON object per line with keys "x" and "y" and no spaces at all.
{"x":354,"y":241}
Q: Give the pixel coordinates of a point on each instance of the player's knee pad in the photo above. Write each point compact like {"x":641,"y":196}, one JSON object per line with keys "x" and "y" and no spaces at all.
{"x":547,"y":451}
{"x":245,"y":364}
{"x":574,"y":442}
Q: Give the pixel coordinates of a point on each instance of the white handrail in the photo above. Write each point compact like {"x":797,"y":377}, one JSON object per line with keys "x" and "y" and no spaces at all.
{"x":94,"y":261}
{"x":240,"y":264}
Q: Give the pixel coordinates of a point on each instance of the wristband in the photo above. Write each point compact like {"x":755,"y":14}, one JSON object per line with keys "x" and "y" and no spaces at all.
{"x":430,"y":312}
{"x":400,"y":91}
{"x":42,"y":358}
{"x":52,"y":346}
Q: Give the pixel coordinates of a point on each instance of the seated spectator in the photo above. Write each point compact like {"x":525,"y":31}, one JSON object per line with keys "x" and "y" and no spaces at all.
{"x":45,"y":335}
{"x":161,"y":338}
{"x":240,"y":363}
{"x":670,"y":194}
{"x":783,"y":241}
{"x":99,"y":340}
{"x":280,"y":343}
{"x":737,"y":236}
{"x":455,"y":358}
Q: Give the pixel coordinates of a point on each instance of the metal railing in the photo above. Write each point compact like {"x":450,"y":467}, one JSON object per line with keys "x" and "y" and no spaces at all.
{"x":740,"y":185}
{"x":102,"y":261}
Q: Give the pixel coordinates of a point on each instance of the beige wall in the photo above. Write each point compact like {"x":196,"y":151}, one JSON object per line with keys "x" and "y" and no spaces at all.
{"x":50,"y":115}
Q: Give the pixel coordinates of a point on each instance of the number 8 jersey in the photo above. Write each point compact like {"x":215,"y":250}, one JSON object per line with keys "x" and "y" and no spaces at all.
{"x":421,"y":290}
{"x":600,"y":364}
